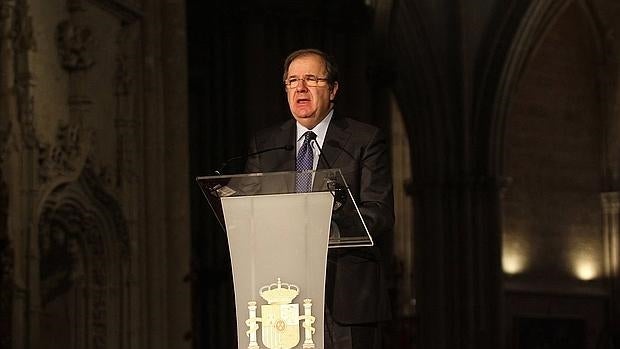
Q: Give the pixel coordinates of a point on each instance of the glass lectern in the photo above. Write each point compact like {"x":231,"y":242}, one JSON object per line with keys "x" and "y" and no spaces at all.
{"x":278,"y":240}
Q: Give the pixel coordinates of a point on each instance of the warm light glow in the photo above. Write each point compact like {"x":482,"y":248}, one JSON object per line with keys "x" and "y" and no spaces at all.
{"x":514,"y":255}
{"x":513,"y":262}
{"x":585,"y":269}
{"x":585,"y":258}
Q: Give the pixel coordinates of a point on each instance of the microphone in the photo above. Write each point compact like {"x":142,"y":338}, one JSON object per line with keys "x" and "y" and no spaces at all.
{"x":218,"y":172}
{"x":338,"y":190}
{"x":321,"y":154}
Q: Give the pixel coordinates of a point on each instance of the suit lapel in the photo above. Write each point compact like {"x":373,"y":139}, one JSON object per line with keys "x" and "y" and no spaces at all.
{"x":280,"y":160}
{"x":284,"y":160}
{"x":336,"y":140}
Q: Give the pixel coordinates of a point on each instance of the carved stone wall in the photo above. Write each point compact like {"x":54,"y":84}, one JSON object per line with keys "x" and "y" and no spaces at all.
{"x":6,"y":271}
{"x":84,"y":260}
{"x":84,"y":264}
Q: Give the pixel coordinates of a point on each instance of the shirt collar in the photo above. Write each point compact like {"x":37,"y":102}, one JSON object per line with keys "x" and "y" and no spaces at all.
{"x":320,"y":130}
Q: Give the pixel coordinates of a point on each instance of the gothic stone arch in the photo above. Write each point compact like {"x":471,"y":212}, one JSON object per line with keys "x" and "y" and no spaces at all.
{"x":84,"y":263}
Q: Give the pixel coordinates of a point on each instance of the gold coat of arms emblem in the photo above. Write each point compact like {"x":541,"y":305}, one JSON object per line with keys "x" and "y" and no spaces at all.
{"x":280,"y":325}
{"x":280,"y":318}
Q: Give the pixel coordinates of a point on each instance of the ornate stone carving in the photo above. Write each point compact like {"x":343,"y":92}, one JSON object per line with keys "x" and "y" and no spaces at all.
{"x":16,"y":24}
{"x":26,"y":112}
{"x":84,"y":246}
{"x":7,"y":25}
{"x":125,"y":123}
{"x":7,"y":63}
{"x":74,"y":43}
{"x":24,"y":34}
{"x":61,"y":263}
{"x":17,"y":38}
{"x":6,"y":270}
{"x":24,"y":41}
{"x":6,"y":292}
{"x":123,"y":70}
{"x":66,"y":156}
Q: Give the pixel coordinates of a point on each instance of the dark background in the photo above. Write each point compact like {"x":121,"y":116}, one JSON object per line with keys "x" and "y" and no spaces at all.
{"x":236,"y":54}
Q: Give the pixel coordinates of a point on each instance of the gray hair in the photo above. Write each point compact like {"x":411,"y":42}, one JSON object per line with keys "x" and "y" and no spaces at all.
{"x":328,"y":62}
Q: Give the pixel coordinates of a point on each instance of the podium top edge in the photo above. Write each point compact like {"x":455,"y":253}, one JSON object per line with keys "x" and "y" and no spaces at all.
{"x":261,"y":174}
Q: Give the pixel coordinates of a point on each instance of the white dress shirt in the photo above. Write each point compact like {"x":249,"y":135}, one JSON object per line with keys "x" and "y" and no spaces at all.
{"x":320,"y":130}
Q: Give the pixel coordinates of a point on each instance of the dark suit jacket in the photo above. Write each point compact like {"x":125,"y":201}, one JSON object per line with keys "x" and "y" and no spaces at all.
{"x":356,"y":277}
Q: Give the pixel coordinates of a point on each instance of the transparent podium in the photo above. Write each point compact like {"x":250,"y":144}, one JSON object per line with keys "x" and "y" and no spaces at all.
{"x":278,"y":240}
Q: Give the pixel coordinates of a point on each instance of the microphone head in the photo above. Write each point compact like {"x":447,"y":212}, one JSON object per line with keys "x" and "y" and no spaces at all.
{"x":311,"y":136}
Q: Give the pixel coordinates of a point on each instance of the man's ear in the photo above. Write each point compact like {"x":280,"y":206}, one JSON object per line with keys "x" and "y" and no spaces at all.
{"x":332,"y":91}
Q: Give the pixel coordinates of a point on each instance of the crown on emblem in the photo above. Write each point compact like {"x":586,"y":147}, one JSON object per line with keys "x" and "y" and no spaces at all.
{"x":280,"y":293}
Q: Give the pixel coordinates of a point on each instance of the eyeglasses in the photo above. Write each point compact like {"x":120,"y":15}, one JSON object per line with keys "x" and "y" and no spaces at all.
{"x":311,"y":81}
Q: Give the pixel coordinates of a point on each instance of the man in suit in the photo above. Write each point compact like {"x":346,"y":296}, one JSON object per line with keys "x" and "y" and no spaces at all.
{"x":356,"y":296}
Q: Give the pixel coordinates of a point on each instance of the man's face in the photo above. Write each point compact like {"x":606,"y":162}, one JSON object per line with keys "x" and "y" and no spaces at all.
{"x":309,"y":105}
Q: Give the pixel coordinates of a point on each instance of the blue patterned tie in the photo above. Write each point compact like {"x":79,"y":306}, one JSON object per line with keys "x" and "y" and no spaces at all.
{"x":304,"y":163}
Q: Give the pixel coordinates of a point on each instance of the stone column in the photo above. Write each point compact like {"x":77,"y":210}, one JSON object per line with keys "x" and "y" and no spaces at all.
{"x":458,"y":263}
{"x":167,"y":179}
{"x":176,"y":166}
{"x":126,"y":123}
{"x":611,"y":235}
{"x":17,"y":159}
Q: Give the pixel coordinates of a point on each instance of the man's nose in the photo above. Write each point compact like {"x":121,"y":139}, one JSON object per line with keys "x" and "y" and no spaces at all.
{"x":301,"y":86}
